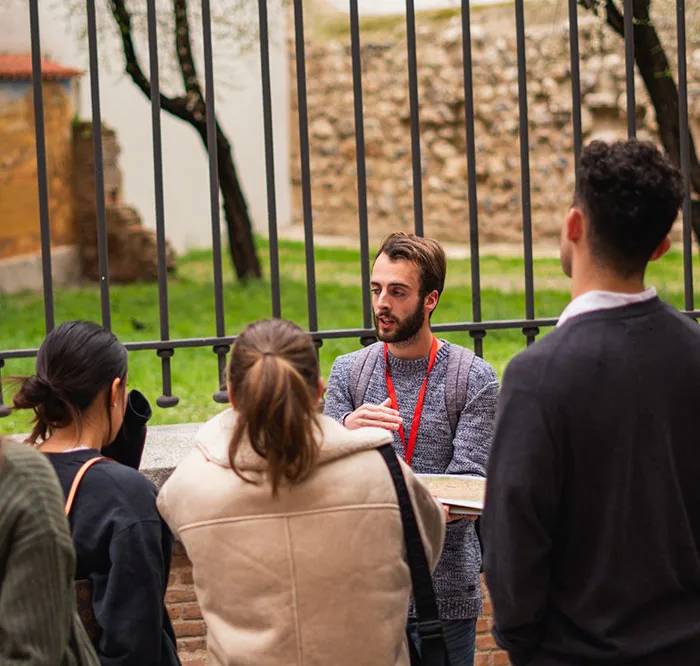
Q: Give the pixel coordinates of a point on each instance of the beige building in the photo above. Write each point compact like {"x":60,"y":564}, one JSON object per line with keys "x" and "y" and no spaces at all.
{"x":19,"y":201}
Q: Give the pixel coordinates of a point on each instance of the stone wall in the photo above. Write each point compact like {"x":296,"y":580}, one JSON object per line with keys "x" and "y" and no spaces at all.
{"x":191,"y":630}
{"x":71,"y":190}
{"x":387,"y":124}
{"x":132,"y":248}
{"x":19,"y":200}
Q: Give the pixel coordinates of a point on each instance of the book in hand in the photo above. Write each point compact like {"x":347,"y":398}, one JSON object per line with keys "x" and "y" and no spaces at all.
{"x":462,"y":493}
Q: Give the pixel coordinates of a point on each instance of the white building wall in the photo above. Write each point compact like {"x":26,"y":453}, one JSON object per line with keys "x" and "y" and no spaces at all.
{"x":185,"y":162}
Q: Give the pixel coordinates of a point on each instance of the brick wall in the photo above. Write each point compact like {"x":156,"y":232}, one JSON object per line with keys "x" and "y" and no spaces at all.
{"x":191,"y":631}
{"x":487,"y":652}
{"x":184,"y":610}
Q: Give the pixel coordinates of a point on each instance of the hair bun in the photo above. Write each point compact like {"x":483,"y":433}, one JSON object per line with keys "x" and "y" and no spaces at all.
{"x":33,"y":392}
{"x":40,"y":395}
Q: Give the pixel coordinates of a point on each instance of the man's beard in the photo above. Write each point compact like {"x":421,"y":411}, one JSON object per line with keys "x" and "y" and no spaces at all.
{"x":405,"y":330}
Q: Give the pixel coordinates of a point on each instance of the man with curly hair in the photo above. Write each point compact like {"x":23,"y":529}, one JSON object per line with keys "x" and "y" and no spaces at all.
{"x":592,"y":519}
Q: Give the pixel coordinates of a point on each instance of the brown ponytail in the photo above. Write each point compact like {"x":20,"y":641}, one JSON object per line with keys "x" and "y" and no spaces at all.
{"x":274,"y":376}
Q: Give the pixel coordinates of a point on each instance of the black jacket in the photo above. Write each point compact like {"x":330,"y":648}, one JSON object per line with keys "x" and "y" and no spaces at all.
{"x":123,"y":547}
{"x":592,"y":520}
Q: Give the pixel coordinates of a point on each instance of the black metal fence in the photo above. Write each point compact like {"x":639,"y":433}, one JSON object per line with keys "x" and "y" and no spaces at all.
{"x":477,"y":328}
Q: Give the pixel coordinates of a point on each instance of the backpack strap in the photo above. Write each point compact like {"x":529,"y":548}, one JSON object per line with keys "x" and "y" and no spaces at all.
{"x":361,"y":371}
{"x":433,"y":649}
{"x":459,"y":363}
{"x":76,"y":482}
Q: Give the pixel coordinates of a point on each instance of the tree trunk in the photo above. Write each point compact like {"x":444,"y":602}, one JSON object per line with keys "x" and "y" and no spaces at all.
{"x":655,"y":71}
{"x":191,"y":108}
{"x":238,"y":224}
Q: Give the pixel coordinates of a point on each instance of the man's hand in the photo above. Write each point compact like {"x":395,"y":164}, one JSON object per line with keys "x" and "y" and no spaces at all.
{"x":376,"y":416}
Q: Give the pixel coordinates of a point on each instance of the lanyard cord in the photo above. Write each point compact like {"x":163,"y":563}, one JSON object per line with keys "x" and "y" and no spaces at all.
{"x":417,"y":414}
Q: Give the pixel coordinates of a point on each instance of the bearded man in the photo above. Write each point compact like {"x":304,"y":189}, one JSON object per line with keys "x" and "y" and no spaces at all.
{"x":437,"y":398}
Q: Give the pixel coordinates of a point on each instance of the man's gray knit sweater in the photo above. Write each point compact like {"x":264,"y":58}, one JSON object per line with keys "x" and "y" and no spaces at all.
{"x":456,"y":577}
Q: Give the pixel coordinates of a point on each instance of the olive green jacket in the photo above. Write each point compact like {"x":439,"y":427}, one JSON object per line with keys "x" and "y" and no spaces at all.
{"x":39,"y":625}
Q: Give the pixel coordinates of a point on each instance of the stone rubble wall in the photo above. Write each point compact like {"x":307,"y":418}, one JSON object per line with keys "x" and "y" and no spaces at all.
{"x":132,"y":248}
{"x":442,"y":117}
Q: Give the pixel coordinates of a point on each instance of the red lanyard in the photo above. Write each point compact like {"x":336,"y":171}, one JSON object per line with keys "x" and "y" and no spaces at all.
{"x":415,"y":425}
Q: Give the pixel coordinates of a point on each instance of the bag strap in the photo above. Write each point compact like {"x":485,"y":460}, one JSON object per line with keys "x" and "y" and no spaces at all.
{"x":361,"y":372}
{"x":433,"y":651}
{"x":76,"y":482}
{"x":459,"y":363}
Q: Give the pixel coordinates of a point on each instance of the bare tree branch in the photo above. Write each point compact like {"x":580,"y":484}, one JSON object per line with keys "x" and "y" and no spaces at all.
{"x":655,"y":70}
{"x":192,"y":109}
{"x":615,"y":18}
{"x":175,"y":105}
{"x":185,"y":59}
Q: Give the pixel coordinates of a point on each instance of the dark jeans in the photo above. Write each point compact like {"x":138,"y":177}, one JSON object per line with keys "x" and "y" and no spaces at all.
{"x":460,"y":637}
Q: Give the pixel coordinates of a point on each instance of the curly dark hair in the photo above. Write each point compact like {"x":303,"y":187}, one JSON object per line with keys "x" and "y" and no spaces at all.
{"x":630,"y":194}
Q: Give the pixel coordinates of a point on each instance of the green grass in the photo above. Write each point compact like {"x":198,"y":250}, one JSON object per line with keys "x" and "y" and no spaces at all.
{"x":135,"y":314}
{"x":324,"y":23}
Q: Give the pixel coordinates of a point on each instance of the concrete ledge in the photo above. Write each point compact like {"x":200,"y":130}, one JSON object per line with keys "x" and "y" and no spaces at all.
{"x":165,"y":447}
{"x":24,"y":272}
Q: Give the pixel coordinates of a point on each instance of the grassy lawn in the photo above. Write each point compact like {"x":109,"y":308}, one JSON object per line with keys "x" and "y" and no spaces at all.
{"x":135,"y":314}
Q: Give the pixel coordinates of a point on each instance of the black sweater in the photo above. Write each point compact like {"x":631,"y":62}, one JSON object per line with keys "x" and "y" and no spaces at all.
{"x":592,"y":519}
{"x":124,"y":548}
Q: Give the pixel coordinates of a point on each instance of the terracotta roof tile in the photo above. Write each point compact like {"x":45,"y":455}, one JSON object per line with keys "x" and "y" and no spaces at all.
{"x":18,"y":67}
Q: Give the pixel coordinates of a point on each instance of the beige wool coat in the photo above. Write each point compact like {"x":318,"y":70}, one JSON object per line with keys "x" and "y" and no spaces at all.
{"x":315,"y":577}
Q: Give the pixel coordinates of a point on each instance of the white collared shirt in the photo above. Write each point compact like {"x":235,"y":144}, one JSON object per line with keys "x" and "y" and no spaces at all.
{"x":603,"y":300}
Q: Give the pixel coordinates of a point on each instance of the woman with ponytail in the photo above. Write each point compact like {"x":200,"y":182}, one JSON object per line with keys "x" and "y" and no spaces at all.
{"x":82,"y":415}
{"x":291,"y":521}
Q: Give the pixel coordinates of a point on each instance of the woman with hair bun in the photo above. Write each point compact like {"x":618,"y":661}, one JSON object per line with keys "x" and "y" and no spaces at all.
{"x":291,"y":521}
{"x":78,"y":395}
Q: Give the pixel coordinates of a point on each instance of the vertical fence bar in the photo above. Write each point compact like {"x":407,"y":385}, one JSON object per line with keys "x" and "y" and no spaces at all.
{"x":42,"y":178}
{"x":685,"y":156}
{"x":361,"y":166}
{"x":629,"y":69}
{"x":529,"y":332}
{"x":4,"y":409}
{"x":166,"y":399}
{"x":478,"y":336}
{"x":269,"y":159}
{"x":415,"y":119}
{"x":575,"y":82}
{"x":220,"y":394}
{"x":305,"y":165}
{"x":102,"y":249}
